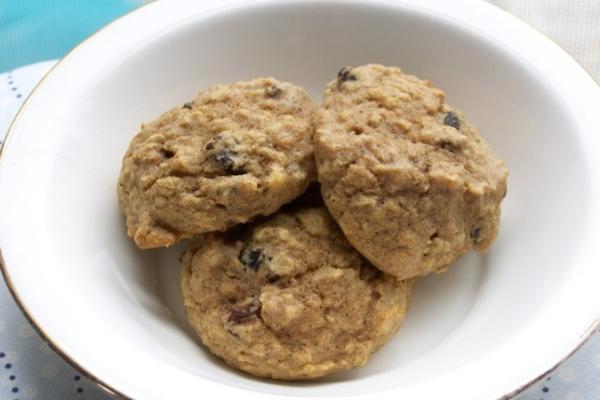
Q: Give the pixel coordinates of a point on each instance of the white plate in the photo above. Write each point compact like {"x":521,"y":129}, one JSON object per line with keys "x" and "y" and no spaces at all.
{"x":481,"y":331}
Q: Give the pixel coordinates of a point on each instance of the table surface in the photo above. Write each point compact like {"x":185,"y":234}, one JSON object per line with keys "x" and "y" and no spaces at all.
{"x":29,"y":32}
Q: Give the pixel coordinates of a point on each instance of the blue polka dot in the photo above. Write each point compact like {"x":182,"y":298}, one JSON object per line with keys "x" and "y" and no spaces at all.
{"x":19,"y":96}
{"x":77,"y":377}
{"x":15,"y":390}
{"x":545,"y":389}
{"x":13,"y":88}
{"x":2,"y":355}
{"x":79,"y":390}
{"x":8,"y":365}
{"x":10,"y":82}
{"x":12,"y":377}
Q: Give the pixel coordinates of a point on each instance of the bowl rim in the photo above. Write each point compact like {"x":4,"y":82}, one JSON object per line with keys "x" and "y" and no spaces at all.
{"x":215,"y":5}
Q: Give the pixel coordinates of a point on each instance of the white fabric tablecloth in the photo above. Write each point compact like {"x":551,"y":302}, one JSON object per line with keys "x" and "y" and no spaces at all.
{"x":30,"y":370}
{"x":573,"y":24}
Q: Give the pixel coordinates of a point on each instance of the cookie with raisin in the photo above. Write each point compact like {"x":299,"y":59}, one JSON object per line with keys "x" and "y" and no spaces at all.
{"x":289,"y":298}
{"x":408,"y":178}
{"x":235,"y":152}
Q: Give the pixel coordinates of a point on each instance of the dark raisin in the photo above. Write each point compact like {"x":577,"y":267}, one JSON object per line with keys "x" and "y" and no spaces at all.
{"x":451,"y":147}
{"x":434,"y":236}
{"x":252,"y":258}
{"x":238,"y":313}
{"x":167,"y":153}
{"x":210,"y":146}
{"x":225,"y":160}
{"x":272,"y":278}
{"x":273,"y":91}
{"x":345,"y":74}
{"x":188,"y":105}
{"x":452,"y":120}
{"x":476,"y":234}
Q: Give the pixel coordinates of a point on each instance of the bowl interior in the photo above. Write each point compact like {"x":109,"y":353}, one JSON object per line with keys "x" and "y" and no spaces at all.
{"x":129,"y":299}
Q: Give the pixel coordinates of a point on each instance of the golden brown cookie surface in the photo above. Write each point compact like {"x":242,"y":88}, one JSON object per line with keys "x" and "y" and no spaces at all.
{"x":289,"y":298}
{"x":237,"y":151}
{"x":407,"y":177}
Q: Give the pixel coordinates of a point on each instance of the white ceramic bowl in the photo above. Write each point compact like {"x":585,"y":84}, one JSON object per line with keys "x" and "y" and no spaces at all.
{"x":481,"y":331}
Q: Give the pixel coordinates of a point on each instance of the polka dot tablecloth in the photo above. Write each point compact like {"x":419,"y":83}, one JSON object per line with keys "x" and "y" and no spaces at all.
{"x":29,"y":369}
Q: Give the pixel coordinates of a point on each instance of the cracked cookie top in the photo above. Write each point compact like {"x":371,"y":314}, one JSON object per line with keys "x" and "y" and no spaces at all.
{"x":407,"y":177}
{"x":235,"y":152}
{"x":289,"y":298}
